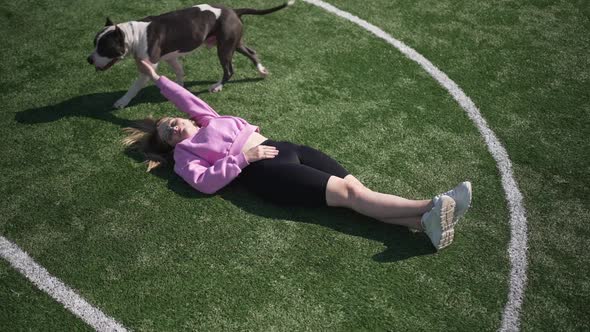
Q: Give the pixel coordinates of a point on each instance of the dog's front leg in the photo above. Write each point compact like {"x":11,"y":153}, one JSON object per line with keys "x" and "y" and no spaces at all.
{"x":132,"y":92}
{"x":177,"y":67}
{"x":134,"y":89}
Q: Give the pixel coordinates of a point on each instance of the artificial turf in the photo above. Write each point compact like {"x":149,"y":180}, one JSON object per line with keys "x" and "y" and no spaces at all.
{"x":158,"y":256}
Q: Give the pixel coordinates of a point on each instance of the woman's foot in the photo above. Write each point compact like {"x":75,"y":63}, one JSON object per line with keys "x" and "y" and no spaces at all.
{"x":462,"y":196}
{"x":438,"y":222}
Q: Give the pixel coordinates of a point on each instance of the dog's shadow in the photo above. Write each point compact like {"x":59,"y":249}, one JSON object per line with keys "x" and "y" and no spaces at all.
{"x":100,"y":105}
{"x":400,"y":242}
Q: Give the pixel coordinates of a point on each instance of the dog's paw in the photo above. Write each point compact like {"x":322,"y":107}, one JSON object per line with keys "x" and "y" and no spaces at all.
{"x":179,"y":82}
{"x":121,"y":103}
{"x":216,"y":88}
{"x":262,"y":70}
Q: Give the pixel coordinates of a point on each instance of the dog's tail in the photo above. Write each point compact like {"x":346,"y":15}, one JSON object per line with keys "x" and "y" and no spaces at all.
{"x":250,"y":11}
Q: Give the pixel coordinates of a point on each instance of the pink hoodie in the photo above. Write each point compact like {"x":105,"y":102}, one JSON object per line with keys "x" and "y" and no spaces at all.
{"x":213,"y":157}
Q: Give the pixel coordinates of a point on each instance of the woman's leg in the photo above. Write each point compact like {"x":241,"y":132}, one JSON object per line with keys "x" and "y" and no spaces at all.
{"x":351,"y":193}
{"x":387,"y":208}
{"x":320,"y":161}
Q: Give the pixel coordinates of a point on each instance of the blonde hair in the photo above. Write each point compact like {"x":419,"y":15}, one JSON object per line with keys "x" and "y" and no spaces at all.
{"x":142,"y":136}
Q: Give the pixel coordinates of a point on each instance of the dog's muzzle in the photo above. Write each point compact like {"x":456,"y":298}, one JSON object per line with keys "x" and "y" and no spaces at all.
{"x":107,"y":66}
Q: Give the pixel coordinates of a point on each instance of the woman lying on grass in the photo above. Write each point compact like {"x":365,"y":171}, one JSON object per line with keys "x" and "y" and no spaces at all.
{"x":210,"y":151}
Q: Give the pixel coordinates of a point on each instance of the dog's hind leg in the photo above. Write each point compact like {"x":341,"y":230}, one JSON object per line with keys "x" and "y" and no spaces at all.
{"x":251,"y":54}
{"x":225,"y":53}
{"x":178,"y":70}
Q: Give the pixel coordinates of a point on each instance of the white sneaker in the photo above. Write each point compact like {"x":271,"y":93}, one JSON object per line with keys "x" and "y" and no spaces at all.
{"x":438,"y":222}
{"x":462,"y":196}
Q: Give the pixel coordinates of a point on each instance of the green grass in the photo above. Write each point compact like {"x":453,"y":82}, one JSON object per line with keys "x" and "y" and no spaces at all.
{"x":158,"y":256}
{"x":26,"y":308}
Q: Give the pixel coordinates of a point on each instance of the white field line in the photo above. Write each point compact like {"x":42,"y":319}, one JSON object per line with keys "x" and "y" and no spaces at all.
{"x":518,"y":224}
{"x":55,"y":288}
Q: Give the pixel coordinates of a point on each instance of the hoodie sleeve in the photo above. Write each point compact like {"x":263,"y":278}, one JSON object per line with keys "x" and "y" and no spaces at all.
{"x":209,"y":178}
{"x":185,"y":101}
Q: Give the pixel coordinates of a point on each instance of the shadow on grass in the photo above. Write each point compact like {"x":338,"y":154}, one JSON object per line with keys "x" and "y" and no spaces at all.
{"x":400,"y":242}
{"x":100,"y":105}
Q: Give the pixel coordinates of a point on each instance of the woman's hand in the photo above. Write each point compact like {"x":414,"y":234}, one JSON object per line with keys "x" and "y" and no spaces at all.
{"x":147,"y":68}
{"x":261,"y":152}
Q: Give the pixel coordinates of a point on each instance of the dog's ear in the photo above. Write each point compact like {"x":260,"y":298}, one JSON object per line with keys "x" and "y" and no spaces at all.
{"x":119,"y":32}
{"x":109,"y":22}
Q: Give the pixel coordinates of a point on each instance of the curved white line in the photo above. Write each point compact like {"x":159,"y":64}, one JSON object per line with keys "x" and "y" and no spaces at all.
{"x":55,"y":288}
{"x":518,"y":224}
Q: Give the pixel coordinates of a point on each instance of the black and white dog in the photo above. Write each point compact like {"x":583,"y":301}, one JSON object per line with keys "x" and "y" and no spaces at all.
{"x":172,"y":35}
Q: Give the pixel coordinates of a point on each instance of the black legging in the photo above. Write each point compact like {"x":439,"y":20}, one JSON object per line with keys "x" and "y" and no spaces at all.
{"x":297,"y":176}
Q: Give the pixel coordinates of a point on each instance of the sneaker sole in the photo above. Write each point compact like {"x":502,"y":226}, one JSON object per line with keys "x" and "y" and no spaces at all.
{"x":456,"y":219}
{"x":447,"y":212}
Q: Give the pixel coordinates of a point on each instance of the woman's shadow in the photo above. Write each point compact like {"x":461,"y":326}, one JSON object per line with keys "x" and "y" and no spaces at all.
{"x":400,"y":242}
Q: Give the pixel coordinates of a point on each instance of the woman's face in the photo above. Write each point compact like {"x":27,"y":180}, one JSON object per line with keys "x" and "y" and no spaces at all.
{"x":174,"y":130}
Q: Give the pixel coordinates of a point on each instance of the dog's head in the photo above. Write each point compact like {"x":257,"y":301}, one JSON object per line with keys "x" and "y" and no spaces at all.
{"x":109,"y":47}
